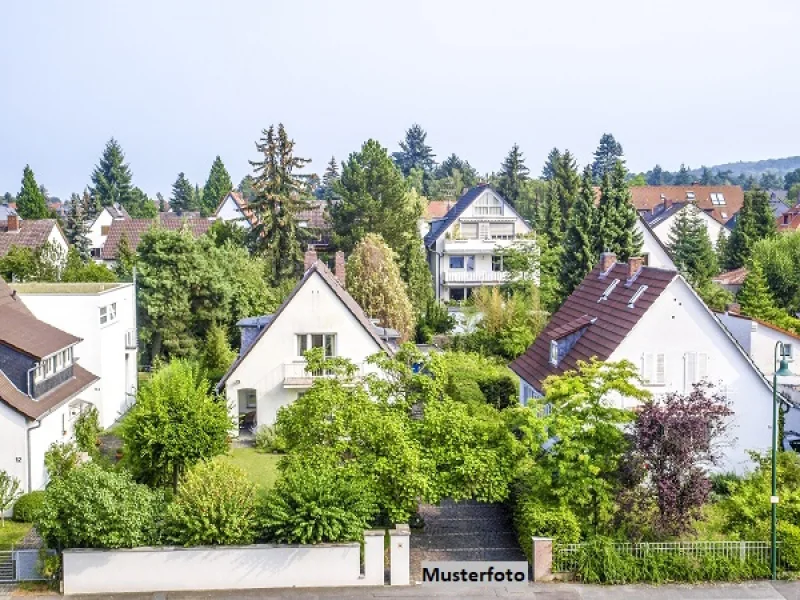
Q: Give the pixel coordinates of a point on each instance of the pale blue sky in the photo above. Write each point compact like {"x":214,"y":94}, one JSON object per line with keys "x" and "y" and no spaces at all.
{"x":178,"y":82}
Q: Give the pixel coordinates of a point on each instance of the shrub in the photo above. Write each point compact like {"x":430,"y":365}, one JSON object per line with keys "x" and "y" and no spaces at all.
{"x":216,"y":505}
{"x":9,"y":491}
{"x":28,"y":506}
{"x":87,"y":431}
{"x":61,"y":459}
{"x":499,"y":391}
{"x":269,"y":440}
{"x":789,"y":550}
{"x":534,"y":518}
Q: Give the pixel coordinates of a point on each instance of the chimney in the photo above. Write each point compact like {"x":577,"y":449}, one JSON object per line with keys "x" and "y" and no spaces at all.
{"x":338,"y":267}
{"x":13,"y":222}
{"x":634,"y":265}
{"x":309,"y":259}
{"x":607,"y":261}
{"x":667,"y":203}
{"x":733,"y":308}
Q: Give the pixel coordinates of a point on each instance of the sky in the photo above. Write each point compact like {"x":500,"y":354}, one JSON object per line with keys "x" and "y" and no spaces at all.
{"x":179,"y":82}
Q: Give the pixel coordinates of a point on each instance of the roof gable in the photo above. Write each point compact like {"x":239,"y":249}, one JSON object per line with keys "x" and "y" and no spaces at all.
{"x":649,"y":197}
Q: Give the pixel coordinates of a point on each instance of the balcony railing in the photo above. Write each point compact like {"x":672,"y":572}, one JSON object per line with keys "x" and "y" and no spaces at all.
{"x":477,"y":277}
{"x":131,"y":340}
{"x":296,"y":374}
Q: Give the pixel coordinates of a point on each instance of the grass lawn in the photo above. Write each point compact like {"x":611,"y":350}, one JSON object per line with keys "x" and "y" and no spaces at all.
{"x":12,"y":533}
{"x":261,"y":468}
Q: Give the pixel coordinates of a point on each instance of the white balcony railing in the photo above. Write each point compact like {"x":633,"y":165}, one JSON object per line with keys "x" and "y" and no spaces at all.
{"x":474,"y":277}
{"x":296,"y":374}
{"x":131,"y":339}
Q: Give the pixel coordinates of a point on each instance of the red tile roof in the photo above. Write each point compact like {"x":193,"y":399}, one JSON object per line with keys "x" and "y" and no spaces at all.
{"x":315,"y":216}
{"x":735,"y":277}
{"x":437,"y":209}
{"x":134,"y":229}
{"x":241,"y":202}
{"x":790,"y":220}
{"x":614,"y":320}
{"x":649,"y":196}
{"x":31,"y":234}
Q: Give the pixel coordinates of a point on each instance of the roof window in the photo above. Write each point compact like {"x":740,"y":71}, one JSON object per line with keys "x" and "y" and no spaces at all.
{"x":717,"y":199}
{"x":608,"y":291}
{"x":637,"y":295}
{"x":690,"y":195}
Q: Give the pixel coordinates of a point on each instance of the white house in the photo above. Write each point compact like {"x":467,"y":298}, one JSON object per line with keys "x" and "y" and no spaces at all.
{"x":98,"y":230}
{"x":270,"y":371}
{"x":103,"y":315}
{"x":463,"y":246}
{"x":43,"y":389}
{"x":233,"y":207}
{"x":652,"y":318}
{"x":661,"y":221}
{"x":654,"y":252}
{"x":34,"y":234}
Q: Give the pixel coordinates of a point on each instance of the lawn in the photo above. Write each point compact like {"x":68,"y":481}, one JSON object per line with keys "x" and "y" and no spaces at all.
{"x":12,"y":533}
{"x":261,"y":468}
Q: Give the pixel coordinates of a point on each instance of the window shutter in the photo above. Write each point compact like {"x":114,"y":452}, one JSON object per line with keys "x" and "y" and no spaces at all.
{"x":501,"y":229}
{"x":690,"y":374}
{"x":469,"y":231}
{"x":660,"y":369}
{"x":647,"y":368}
{"x":702,"y":366}
{"x":483,"y":230}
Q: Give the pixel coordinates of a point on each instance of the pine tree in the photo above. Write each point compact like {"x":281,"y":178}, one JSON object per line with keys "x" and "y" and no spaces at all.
{"x":656,"y":176}
{"x":182,"y":195}
{"x":754,"y":295}
{"x":721,"y":249}
{"x":460,"y":170}
{"x":329,"y":179}
{"x":608,"y":152}
{"x":112,"y":178}
{"x":615,"y":229}
{"x":513,"y":175}
{"x":552,"y":223}
{"x":126,"y":259}
{"x":77,"y":228}
{"x":763,"y":217}
{"x":414,"y":152}
{"x":217,"y":187}
{"x":567,"y":182}
{"x":605,"y":219}
{"x":277,"y":200}
{"x":416,"y":274}
{"x":31,"y":203}
{"x":682,"y":177}
{"x":691,"y":247}
{"x":162,"y":203}
{"x":551,"y":164}
{"x":579,"y":252}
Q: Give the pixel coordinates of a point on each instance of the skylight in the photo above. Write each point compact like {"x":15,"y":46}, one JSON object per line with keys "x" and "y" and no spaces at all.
{"x":637,"y":295}
{"x":690,"y":195}
{"x":717,"y":199}
{"x":608,"y":291}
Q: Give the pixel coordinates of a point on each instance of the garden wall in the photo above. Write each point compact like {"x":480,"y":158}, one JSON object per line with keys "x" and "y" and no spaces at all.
{"x":227,"y":567}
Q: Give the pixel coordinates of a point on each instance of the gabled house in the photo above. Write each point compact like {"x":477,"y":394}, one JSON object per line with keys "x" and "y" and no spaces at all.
{"x":43,"y":389}
{"x":663,"y":216}
{"x":270,"y":371}
{"x":654,"y":319}
{"x":98,"y":230}
{"x":463,"y":247}
{"x":654,"y":251}
{"x":731,"y":280}
{"x":33,"y":234}
{"x":233,"y":207}
{"x":789,"y":220}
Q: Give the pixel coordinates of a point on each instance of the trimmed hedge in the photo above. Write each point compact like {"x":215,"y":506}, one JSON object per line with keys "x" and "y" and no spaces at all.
{"x":28,"y":506}
{"x":534,"y":518}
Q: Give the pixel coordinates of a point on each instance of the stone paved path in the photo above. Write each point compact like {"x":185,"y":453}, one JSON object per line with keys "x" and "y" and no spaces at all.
{"x":463,"y":531}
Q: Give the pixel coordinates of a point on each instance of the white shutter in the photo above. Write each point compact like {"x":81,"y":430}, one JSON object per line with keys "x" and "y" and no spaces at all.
{"x":661,"y":377}
{"x":483,"y":231}
{"x":647,"y":368}
{"x":501,"y":230}
{"x":702,"y":366}
{"x":653,"y":371}
{"x":469,"y":231}
{"x":690,"y":371}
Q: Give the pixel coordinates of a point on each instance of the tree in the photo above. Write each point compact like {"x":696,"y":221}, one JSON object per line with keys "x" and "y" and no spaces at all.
{"x":415,"y":273}
{"x":579,"y":250}
{"x":513,"y":175}
{"x":77,"y":227}
{"x":683,"y":176}
{"x":329,"y":179}
{"x":791,"y":178}
{"x":217,"y":354}
{"x":459,"y":171}
{"x":608,"y":152}
{"x":414,"y":152}
{"x":140,"y":206}
{"x":216,"y":505}
{"x":552,"y":220}
{"x":10,"y":490}
{"x":615,"y":229}
{"x":691,"y":247}
{"x":755,"y":221}
{"x":277,"y":199}
{"x":754,"y":296}
{"x":94,"y":508}
{"x":551,"y":164}
{"x":112,"y":177}
{"x":126,"y":259}
{"x":182,"y":195}
{"x":174,"y":424}
{"x":565,"y":182}
{"x":721,"y":248}
{"x":217,"y":187}
{"x":31,"y":204}
{"x":373,"y":279}
{"x":374,"y":199}
{"x":162,"y":203}
{"x":656,"y":176}
{"x":763,"y":217}
{"x":78,"y":270}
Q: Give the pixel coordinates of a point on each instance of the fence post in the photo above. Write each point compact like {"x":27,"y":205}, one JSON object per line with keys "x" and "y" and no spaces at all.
{"x":542,"y":558}
{"x":400,"y":555}
{"x":742,"y":551}
{"x":373,"y":556}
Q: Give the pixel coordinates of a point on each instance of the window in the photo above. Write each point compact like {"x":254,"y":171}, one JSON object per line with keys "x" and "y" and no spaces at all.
{"x":690,"y":195}
{"x":497,"y":263}
{"x":112,"y":311}
{"x":786,"y":351}
{"x":250,"y":401}
{"x":637,"y":295}
{"x":488,"y":204}
{"x":653,"y":369}
{"x":501,"y":231}
{"x":645,"y":259}
{"x":469,"y":231}
{"x":483,"y":231}
{"x":460,"y":294}
{"x":608,"y":291}
{"x":108,"y":313}
{"x":695,"y":369}
{"x":103,"y":315}
{"x":717,"y":199}
{"x":104,"y":229}
{"x":554,"y":353}
{"x":470,"y":263}
{"x":96,"y":252}
{"x":528,"y":393}
{"x":307,"y":341}
{"x":456,"y":262}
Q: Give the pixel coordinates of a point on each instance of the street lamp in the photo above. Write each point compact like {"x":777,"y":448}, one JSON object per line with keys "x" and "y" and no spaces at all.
{"x":782,"y":370}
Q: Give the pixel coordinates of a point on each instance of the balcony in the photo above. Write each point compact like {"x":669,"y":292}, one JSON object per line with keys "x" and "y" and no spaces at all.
{"x":474,"y":277}
{"x":131,"y":340}
{"x":297,"y":376}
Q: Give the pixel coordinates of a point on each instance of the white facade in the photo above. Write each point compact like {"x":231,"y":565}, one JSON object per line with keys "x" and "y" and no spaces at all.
{"x":229,"y":211}
{"x":104,"y":316}
{"x":98,"y":232}
{"x":272,"y":372}
{"x":653,"y":250}
{"x":714,"y":227}
{"x":464,"y":255}
{"x":759,"y":341}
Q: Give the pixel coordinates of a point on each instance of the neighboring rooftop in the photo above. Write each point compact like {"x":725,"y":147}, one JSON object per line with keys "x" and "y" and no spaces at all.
{"x":790,"y":219}
{"x":29,"y":335}
{"x":134,"y":230}
{"x":436,"y":209}
{"x":32,"y":233}
{"x":41,"y":287}
{"x":767,"y":324}
{"x":33,"y":409}
{"x":661,"y":213}
{"x":735,"y":277}
{"x":722,"y":202}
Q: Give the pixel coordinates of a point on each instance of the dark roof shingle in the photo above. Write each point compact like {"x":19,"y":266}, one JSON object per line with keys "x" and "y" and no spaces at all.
{"x":29,"y":335}
{"x":9,"y":299}
{"x":32,"y":233}
{"x":80,"y":380}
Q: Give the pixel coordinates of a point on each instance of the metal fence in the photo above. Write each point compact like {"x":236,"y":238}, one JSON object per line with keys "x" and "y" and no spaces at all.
{"x":19,"y":565}
{"x":566,"y":556}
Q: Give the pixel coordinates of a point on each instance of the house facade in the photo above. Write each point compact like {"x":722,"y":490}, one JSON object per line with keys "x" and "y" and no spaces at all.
{"x":464,"y":246}
{"x":654,"y":252}
{"x":98,"y":230}
{"x":652,"y":318}
{"x":270,"y":371}
{"x":103,"y":315}
{"x":34,"y":234}
{"x":662,"y":219}
{"x":43,"y":389}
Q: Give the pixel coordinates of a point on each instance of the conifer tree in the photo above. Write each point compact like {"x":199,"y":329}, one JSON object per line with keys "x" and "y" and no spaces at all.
{"x":567,"y":182}
{"x":682,"y":177}
{"x":550,"y":165}
{"x":182,"y":195}
{"x":276,"y":201}
{"x":126,"y":259}
{"x":329,"y":179}
{"x":604,"y":232}
{"x":513,"y":175}
{"x":77,"y":227}
{"x":754,"y":295}
{"x":552,"y":223}
{"x":414,"y":152}
{"x":721,"y":249}
{"x":112,"y":178}
{"x":754,"y":222}
{"x":162,"y":203}
{"x":763,"y":217}
{"x":579,"y":253}
{"x":691,"y":247}
{"x":656,"y":176}
{"x":608,"y":152}
{"x":459,"y":169}
{"x":217,"y":187}
{"x":415,"y":273}
{"x":629,"y":239}
{"x":31,"y":203}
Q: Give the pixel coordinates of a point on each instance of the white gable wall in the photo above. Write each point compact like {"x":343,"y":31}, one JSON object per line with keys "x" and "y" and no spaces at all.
{"x":315,"y":308}
{"x":13,"y":445}
{"x":714,"y":227}
{"x":229,"y":211}
{"x":652,"y":249}
{"x":96,"y":238}
{"x":760,"y":341}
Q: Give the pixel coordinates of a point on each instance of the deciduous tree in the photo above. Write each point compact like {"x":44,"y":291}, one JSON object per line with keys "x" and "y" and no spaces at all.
{"x":10,"y":490}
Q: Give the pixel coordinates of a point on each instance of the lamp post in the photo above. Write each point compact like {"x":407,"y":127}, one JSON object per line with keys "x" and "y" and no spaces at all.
{"x":781,"y":369}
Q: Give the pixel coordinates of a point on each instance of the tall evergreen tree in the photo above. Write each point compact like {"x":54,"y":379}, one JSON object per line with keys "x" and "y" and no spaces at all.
{"x":754,"y":222}
{"x":513,"y":175}
{"x":415,"y":273}
{"x":462,"y":173}
{"x":182,"y":195}
{"x":691,"y":247}
{"x":551,"y":225}
{"x":754,"y":295}
{"x":112,"y":177}
{"x":763,"y":217}
{"x":656,"y":176}
{"x":414,"y":152}
{"x":566,"y":181}
{"x":605,"y":219}
{"x":162,"y":203}
{"x":77,"y":227}
{"x":551,"y":164}
{"x":329,"y":178}
{"x":608,"y":152}
{"x":277,"y":200}
{"x":615,"y":229}
{"x":682,"y":177}
{"x":579,"y":251}
{"x":217,"y":186}
{"x":721,"y":249}
{"x":31,"y":203}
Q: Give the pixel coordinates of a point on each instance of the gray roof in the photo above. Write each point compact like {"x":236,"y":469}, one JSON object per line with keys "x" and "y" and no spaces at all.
{"x":657,"y":216}
{"x":259,"y":322}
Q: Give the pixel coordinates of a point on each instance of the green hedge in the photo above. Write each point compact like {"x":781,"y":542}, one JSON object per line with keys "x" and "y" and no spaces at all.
{"x":28,"y":506}
{"x":534,"y":518}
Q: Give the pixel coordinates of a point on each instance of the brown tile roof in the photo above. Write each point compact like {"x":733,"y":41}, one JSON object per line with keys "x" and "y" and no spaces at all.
{"x":134,"y":229}
{"x":34,"y":409}
{"x":341,"y":293}
{"x":437,"y":209}
{"x":649,"y":196}
{"x":9,"y":299}
{"x":29,"y":335}
{"x":735,"y":277}
{"x":32,"y":233}
{"x":315,"y":216}
{"x":614,"y":320}
{"x":790,"y":220}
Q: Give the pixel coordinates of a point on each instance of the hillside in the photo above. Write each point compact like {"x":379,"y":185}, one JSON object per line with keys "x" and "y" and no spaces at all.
{"x":781,"y":166}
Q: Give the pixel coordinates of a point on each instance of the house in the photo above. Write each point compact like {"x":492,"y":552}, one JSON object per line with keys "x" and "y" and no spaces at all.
{"x":662,"y":218}
{"x":463,"y":247}
{"x":654,"y":251}
{"x":33,"y":234}
{"x":103,"y":315}
{"x":731,"y":280}
{"x":778,"y":201}
{"x":233,"y":207}
{"x":790,"y":219}
{"x":134,"y":229}
{"x":653,"y":318}
{"x":270,"y":371}
{"x":98,"y":230}
{"x":43,"y":389}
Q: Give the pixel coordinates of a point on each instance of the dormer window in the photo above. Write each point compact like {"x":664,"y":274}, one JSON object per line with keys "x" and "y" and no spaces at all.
{"x":717,"y":199}
{"x":554,"y":353}
{"x":53,"y":364}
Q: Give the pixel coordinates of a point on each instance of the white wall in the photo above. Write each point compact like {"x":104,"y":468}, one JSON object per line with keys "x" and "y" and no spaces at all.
{"x":229,"y":211}
{"x":102,"y":350}
{"x":95,"y":235}
{"x":13,"y":445}
{"x":759,"y":341}
{"x":314,"y":309}
{"x":146,"y":570}
{"x":678,"y":323}
{"x":656,"y":255}
{"x":713,"y":227}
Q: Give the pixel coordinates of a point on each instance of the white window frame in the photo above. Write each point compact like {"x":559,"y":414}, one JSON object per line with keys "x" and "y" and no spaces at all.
{"x":450,"y":263}
{"x":498,"y":258}
{"x":784,"y":354}
{"x":654,"y":369}
{"x":309,"y":341}
{"x":488,"y":205}
{"x":554,"y":353}
{"x":103,"y":315}
{"x":695,"y":369}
